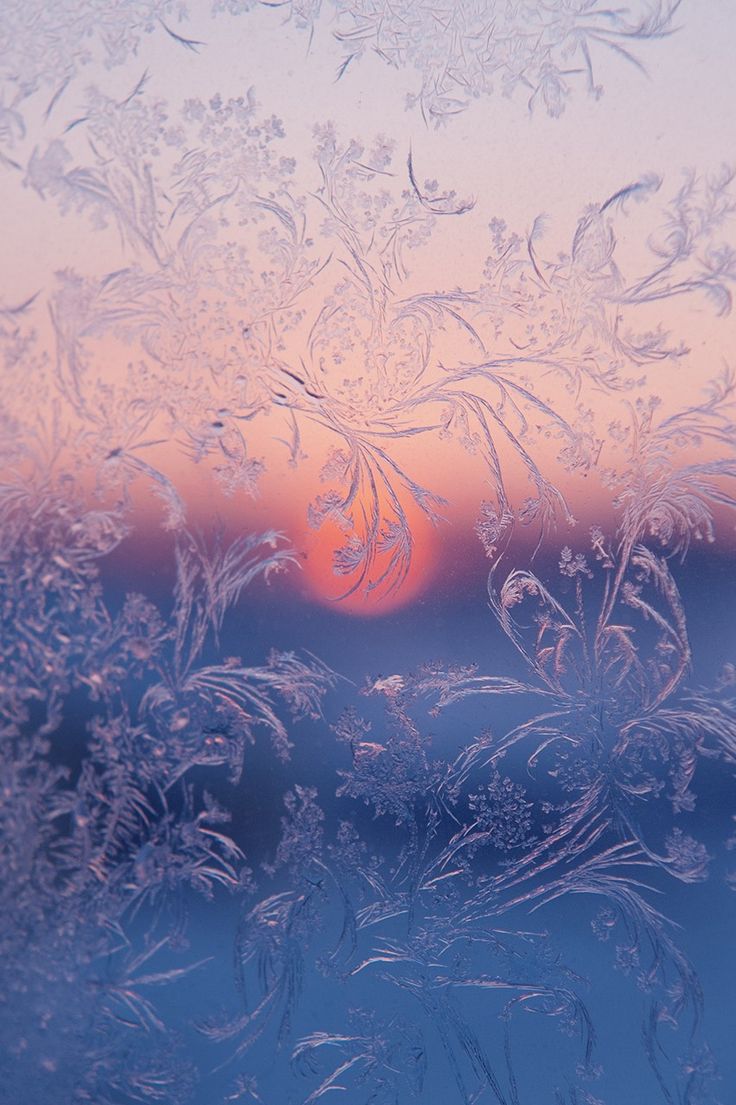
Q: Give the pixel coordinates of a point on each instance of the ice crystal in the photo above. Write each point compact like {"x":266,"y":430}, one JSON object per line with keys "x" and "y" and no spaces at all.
{"x":244,"y":324}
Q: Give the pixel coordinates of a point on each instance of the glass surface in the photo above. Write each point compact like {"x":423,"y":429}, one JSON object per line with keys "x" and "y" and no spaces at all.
{"x":367,"y":697}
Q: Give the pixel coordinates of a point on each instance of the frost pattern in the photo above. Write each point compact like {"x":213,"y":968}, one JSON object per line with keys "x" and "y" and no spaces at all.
{"x":246,"y":300}
{"x":395,"y":871}
{"x":466,"y":50}
{"x":460,"y":53}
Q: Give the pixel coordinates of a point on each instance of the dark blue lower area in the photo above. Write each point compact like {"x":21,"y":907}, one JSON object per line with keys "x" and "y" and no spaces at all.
{"x":365,"y":955}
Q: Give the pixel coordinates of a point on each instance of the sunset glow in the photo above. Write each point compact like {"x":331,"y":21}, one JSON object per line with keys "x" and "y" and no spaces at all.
{"x":367,"y":552}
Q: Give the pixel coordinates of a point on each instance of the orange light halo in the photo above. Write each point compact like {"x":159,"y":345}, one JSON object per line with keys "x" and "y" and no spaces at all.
{"x":316,"y":550}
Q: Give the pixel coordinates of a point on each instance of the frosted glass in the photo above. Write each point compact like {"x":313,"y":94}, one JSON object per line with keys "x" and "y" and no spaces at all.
{"x":368,"y":473}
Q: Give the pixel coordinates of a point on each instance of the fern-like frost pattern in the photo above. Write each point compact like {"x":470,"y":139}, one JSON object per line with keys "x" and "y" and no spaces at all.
{"x":258,"y":843}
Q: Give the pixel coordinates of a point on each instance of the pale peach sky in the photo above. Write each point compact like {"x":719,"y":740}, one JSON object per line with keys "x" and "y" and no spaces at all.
{"x":515,"y":165}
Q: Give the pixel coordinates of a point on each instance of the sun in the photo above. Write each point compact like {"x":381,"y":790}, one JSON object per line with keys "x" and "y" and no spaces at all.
{"x":319,"y":582}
